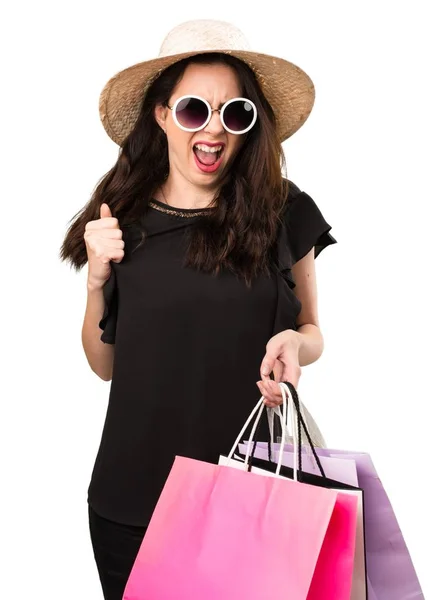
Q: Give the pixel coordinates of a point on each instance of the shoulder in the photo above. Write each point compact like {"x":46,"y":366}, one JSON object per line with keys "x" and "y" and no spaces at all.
{"x":298,"y":202}
{"x":292,"y":190}
{"x":304,"y":226}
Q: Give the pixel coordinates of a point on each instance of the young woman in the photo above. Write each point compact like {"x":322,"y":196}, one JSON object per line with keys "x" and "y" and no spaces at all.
{"x":201,"y":280}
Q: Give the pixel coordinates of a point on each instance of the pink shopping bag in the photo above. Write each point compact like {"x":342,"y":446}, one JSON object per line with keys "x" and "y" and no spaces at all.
{"x":220,"y":533}
{"x":324,"y":472}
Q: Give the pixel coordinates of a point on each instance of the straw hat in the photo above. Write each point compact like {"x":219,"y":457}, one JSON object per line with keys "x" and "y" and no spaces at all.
{"x":289,"y":90}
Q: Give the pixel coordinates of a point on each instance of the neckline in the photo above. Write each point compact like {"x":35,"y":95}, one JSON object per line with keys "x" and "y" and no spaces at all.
{"x":174,"y":210}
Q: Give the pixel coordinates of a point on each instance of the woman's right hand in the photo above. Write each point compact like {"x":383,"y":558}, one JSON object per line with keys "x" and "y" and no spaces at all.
{"x":103,"y":239}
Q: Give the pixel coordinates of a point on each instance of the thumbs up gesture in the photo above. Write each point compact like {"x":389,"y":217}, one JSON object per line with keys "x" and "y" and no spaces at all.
{"x":104,"y":243}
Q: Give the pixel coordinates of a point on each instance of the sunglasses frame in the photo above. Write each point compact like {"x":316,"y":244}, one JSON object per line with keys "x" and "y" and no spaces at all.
{"x":211,"y":111}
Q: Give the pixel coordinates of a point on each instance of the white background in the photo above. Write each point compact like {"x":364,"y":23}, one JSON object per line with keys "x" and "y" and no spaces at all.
{"x":371,"y":155}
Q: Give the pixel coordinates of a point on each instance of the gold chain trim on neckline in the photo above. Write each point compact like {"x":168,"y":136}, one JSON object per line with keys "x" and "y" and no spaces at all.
{"x":177,"y":213}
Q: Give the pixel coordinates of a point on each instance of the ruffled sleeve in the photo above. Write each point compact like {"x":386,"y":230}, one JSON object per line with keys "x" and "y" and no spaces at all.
{"x":303,"y":227}
{"x":109,"y":317}
{"x":108,"y":322}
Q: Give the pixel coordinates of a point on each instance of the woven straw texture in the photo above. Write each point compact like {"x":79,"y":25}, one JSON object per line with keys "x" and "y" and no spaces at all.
{"x":289,"y":90}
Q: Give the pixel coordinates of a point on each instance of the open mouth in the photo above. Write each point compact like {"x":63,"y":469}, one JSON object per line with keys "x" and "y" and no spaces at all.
{"x":208,"y":156}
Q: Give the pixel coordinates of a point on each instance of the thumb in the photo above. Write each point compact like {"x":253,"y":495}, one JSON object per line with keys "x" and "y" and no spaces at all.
{"x":273,"y":351}
{"x":268,"y":364}
{"x":105,"y":211}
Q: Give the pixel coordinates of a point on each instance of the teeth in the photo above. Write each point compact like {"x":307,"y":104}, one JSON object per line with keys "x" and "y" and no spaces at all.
{"x":211,"y":149}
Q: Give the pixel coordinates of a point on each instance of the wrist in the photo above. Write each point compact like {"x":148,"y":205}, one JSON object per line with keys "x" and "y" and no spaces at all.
{"x":298,"y":340}
{"x":296,"y":335}
{"x":94,"y":285}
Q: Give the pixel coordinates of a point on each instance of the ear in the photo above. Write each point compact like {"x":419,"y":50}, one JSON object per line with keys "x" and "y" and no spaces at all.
{"x":161,"y":115}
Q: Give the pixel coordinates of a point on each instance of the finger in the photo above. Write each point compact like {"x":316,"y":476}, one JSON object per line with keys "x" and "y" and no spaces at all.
{"x":105,"y":211}
{"x":113,"y":244}
{"x":110,"y":234}
{"x":262,"y":389}
{"x":108,"y":249}
{"x":273,"y":403}
{"x":274,"y":392}
{"x":278,"y":370}
{"x":272,"y":400}
{"x":115,"y":255}
{"x":273,"y":387}
{"x":105,"y":223}
{"x":118,"y":257}
{"x":273,"y":350}
{"x":268,"y":398}
{"x":267,"y":366}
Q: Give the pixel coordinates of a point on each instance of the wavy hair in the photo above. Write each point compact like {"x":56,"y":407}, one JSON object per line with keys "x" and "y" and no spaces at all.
{"x":241,"y":229}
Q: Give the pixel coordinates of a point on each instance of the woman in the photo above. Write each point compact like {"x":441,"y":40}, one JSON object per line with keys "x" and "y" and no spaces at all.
{"x":201,"y":280}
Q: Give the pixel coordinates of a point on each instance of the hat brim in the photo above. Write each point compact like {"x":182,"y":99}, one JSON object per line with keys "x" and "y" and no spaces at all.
{"x":288,"y":89}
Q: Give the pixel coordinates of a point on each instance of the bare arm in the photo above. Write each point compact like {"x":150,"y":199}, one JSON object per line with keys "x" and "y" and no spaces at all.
{"x":290,"y":350}
{"x":312,"y":343}
{"x":100,"y":356}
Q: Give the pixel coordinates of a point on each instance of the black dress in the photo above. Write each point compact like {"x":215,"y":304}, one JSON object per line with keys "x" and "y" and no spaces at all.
{"x":188,"y":350}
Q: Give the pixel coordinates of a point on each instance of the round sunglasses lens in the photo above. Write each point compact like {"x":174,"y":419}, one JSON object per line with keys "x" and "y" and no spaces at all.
{"x":192,"y":113}
{"x":239,"y":115}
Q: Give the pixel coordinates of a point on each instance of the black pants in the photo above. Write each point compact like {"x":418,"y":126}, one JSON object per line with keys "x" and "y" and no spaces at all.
{"x":115,"y":547}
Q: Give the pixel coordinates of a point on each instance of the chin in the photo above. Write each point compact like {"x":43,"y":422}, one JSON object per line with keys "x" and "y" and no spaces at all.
{"x":207,"y":177}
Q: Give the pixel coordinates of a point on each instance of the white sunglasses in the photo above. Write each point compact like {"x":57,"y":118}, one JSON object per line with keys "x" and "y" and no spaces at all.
{"x":193,"y":113}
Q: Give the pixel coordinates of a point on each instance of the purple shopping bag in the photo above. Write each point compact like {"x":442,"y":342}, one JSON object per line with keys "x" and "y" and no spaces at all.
{"x":391,"y":573}
{"x":390,"y":568}
{"x":341,"y":469}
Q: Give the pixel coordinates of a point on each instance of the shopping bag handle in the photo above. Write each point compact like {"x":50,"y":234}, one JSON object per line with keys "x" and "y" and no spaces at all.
{"x":258,"y":411}
{"x":300,"y":423}
{"x":252,"y":438}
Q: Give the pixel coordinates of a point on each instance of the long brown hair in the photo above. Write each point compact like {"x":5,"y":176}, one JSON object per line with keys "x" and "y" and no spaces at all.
{"x":241,"y":229}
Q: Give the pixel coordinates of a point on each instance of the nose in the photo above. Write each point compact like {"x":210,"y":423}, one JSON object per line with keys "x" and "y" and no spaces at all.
{"x":214,"y":126}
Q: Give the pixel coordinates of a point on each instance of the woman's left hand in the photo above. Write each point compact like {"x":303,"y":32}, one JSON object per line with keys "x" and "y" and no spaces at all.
{"x":282,"y":358}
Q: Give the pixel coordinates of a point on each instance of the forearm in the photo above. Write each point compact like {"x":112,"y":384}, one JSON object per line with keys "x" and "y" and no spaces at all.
{"x":100,"y":356}
{"x":311,"y":344}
